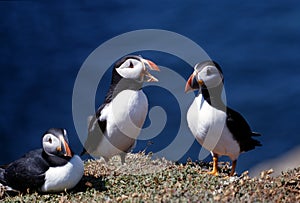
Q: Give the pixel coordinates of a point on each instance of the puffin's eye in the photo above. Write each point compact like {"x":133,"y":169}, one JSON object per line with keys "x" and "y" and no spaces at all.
{"x":208,"y":72}
{"x":130,"y":65}
{"x":50,"y":140}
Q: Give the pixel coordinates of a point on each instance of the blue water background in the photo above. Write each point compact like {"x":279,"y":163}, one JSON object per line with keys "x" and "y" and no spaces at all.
{"x":43,"y":45}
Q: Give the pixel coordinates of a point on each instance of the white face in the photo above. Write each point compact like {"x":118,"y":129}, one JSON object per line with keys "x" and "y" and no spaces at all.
{"x":209,"y":75}
{"x":132,"y":69}
{"x":51,"y":143}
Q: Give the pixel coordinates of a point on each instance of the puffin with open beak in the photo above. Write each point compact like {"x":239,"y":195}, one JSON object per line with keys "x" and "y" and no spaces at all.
{"x":114,"y":128}
{"x":54,"y":168}
{"x":218,"y":128}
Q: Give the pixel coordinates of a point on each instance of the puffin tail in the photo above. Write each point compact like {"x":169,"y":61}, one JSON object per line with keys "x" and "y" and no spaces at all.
{"x":83,"y":152}
{"x":256,"y":143}
{"x":255,"y":134}
{"x":253,"y":142}
{"x":249,"y":143}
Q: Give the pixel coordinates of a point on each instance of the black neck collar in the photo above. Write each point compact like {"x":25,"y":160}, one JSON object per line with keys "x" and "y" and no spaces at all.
{"x":213,"y":96}
{"x":118,"y":84}
{"x":55,"y":160}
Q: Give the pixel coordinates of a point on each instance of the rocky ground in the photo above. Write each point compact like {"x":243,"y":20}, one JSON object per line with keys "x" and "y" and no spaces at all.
{"x":143,"y":179}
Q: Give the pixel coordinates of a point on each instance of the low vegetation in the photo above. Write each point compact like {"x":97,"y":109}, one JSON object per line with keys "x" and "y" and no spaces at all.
{"x":143,"y":179}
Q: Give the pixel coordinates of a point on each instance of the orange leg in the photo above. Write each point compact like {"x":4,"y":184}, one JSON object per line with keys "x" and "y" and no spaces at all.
{"x":233,"y":168}
{"x":215,"y":166}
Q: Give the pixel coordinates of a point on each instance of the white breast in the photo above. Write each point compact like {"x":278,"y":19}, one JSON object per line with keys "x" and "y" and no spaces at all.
{"x":125,"y":117}
{"x":63,"y":177}
{"x":208,"y":125}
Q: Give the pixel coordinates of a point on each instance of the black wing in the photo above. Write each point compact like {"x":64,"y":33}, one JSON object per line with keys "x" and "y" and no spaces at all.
{"x":241,"y":131}
{"x":27,"y":172}
{"x":96,"y":130}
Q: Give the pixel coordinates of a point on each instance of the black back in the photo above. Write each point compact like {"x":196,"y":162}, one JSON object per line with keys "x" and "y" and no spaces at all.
{"x":26,"y":172}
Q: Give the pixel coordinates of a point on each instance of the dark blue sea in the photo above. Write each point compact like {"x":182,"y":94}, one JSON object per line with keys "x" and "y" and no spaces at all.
{"x":44,"y":44}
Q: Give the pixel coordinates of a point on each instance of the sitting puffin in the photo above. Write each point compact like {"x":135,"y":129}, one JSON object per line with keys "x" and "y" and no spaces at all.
{"x":118,"y":121}
{"x":216,"y":127}
{"x":54,"y":168}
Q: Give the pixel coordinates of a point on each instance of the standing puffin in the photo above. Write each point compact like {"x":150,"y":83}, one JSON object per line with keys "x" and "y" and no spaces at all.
{"x":216,"y":127}
{"x":118,"y":121}
{"x":54,"y":168}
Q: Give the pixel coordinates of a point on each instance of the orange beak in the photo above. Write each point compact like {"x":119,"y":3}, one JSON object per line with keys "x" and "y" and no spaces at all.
{"x":192,"y":84}
{"x":65,"y":149}
{"x":152,"y":66}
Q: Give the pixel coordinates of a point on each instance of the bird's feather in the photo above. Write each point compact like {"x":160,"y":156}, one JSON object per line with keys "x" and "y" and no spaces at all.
{"x":96,"y":130}
{"x":241,"y":131}
{"x":27,"y":172}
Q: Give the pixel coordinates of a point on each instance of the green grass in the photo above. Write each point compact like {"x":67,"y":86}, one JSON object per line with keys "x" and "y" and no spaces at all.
{"x":143,"y":179}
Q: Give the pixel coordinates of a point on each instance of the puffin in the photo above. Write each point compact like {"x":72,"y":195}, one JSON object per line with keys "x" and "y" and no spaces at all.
{"x":218,"y":128}
{"x":52,"y":168}
{"x":115,"y":126}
